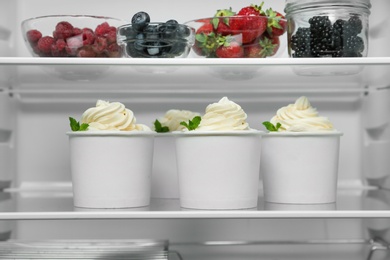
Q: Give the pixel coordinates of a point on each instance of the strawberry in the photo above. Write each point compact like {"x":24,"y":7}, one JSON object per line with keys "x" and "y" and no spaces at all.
{"x":254,"y":10}
{"x":262,"y":48}
{"x":276,"y":25}
{"x":220,"y":21}
{"x":205,"y":40}
{"x":250,"y":22}
{"x":250,"y":27}
{"x":229,"y":48}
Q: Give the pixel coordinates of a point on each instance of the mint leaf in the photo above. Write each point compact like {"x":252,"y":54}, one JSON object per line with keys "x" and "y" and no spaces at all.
{"x":159,"y":128}
{"x":75,"y":125}
{"x":83,"y":127}
{"x":192,"y":124}
{"x":271,"y":127}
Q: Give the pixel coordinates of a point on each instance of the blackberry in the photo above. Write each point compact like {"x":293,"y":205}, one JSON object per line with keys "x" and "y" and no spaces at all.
{"x":355,"y":25}
{"x":354,"y":43}
{"x":321,"y":35}
{"x":324,"y":39}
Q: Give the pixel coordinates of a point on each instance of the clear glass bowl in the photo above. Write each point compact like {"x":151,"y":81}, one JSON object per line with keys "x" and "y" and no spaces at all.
{"x":156,"y":40}
{"x":327,"y":28}
{"x":237,"y":37}
{"x":72,"y":36}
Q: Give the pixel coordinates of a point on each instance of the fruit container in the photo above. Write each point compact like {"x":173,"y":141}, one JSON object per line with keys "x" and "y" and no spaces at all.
{"x":327,"y":28}
{"x":238,"y":36}
{"x":72,"y":36}
{"x":156,"y":40}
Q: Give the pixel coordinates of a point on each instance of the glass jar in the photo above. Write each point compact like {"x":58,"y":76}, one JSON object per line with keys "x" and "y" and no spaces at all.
{"x":327,"y":28}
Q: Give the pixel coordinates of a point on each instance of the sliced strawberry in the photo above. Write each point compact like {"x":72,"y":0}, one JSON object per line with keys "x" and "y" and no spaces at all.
{"x":277,"y":24}
{"x":229,"y":48}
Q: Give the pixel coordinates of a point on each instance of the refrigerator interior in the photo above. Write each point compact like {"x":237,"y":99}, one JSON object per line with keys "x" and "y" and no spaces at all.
{"x":38,"y":95}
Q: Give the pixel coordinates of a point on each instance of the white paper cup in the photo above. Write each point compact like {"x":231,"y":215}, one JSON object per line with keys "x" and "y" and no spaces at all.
{"x":165,"y":182}
{"x":300,"y":168}
{"x":218,"y":170}
{"x":111,"y":169}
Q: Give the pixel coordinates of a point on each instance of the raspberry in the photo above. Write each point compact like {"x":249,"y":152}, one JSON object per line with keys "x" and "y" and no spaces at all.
{"x":33,"y":36}
{"x":63,"y":30}
{"x":88,"y":36}
{"x":58,"y":49}
{"x":77,"y":31}
{"x":111,"y":37}
{"x":44,"y":45}
{"x":100,"y":44}
{"x":102,"y":29}
{"x":86,"y":52}
{"x":114,"y":51}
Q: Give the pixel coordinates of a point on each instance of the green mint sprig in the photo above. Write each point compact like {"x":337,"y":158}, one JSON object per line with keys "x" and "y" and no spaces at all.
{"x":75,"y":125}
{"x":159,"y":128}
{"x":192,"y":124}
{"x":271,"y":127}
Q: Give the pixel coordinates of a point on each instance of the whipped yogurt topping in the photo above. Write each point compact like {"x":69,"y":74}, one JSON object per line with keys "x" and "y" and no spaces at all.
{"x":111,"y":116}
{"x":301,"y":117}
{"x":173,"y":117}
{"x":224,"y":116}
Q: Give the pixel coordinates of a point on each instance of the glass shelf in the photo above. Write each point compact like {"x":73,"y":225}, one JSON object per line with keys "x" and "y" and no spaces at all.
{"x":58,"y":204}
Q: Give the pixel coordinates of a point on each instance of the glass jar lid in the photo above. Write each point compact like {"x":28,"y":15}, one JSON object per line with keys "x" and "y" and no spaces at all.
{"x":301,"y":5}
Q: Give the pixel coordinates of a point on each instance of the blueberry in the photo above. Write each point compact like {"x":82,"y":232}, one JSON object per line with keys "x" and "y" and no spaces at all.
{"x":151,"y":32}
{"x":183,"y":31}
{"x":140,"y":20}
{"x":167,"y":31}
{"x":172,"y":21}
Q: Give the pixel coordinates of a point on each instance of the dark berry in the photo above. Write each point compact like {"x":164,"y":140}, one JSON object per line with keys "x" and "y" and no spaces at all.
{"x":140,"y":20}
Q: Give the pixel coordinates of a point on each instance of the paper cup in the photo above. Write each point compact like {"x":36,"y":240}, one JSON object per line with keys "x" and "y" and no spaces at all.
{"x":300,"y":168}
{"x":164,"y":177}
{"x":218,"y":170}
{"x":111,"y":169}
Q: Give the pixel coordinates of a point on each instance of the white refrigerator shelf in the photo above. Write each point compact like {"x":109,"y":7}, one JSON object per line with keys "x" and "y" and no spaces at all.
{"x":194,"y":61}
{"x":58,"y":205}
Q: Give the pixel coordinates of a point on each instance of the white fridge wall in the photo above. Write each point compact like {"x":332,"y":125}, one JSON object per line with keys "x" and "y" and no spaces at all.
{"x":36,"y":101}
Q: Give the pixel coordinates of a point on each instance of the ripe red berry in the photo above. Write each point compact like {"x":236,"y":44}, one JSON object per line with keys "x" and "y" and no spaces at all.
{"x":88,"y":36}
{"x":102,"y":29}
{"x":100,"y":44}
{"x":113,"y":51}
{"x":33,"y":36}
{"x":86,"y":52}
{"x":44,"y":45}
{"x":63,"y":30}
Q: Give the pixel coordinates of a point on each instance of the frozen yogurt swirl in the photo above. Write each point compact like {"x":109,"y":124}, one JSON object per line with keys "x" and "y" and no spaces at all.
{"x":111,"y":116}
{"x":301,"y":117}
{"x":223,"y":116}
{"x":173,"y":117}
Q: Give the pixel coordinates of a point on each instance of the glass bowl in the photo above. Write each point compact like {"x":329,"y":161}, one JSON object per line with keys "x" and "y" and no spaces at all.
{"x":72,"y":36}
{"x":237,"y":36}
{"x":156,"y":40}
